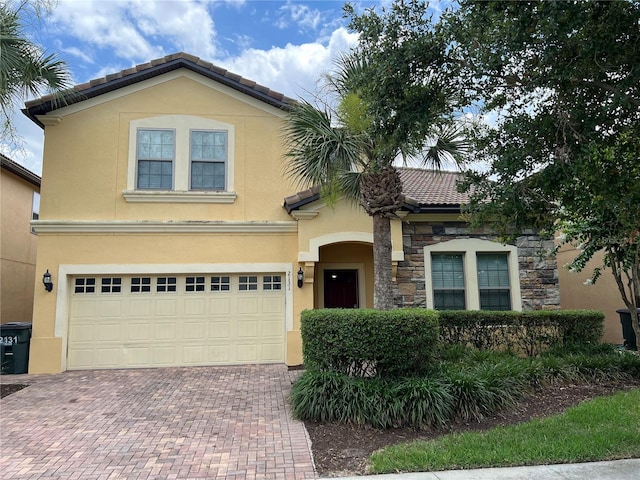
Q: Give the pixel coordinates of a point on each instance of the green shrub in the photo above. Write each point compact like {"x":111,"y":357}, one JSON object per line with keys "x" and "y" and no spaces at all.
{"x":475,"y":385}
{"x":529,"y":333}
{"x":369,"y":342}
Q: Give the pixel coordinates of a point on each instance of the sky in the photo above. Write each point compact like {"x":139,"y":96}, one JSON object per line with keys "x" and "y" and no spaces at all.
{"x":284,"y":45}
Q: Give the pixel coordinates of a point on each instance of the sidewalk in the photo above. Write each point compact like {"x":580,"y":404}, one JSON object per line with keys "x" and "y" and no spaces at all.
{"x":615,"y":470}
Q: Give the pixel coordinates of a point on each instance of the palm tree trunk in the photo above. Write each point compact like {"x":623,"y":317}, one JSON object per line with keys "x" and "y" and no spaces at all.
{"x":382,"y":291}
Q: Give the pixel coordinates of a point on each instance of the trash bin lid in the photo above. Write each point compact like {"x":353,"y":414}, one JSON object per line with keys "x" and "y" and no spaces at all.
{"x":16,"y":325}
{"x":626,"y":310}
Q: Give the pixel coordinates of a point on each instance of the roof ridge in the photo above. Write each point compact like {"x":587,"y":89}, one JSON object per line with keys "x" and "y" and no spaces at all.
{"x":158,"y":66}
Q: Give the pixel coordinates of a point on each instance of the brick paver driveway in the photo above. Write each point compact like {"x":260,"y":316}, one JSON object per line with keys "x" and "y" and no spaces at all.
{"x":172,"y":423}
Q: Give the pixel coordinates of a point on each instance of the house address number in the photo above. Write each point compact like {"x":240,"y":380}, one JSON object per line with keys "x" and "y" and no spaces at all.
{"x":9,"y":340}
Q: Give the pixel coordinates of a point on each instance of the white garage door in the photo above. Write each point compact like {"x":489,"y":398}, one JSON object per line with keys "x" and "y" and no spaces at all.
{"x":182,"y":320}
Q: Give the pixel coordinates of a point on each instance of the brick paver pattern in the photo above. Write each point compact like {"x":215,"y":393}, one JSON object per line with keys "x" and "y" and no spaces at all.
{"x":167,"y":423}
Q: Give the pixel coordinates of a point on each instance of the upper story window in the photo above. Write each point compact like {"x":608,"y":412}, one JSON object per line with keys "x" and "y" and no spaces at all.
{"x":181,"y":158}
{"x":208,"y":160}
{"x":156,"y":149}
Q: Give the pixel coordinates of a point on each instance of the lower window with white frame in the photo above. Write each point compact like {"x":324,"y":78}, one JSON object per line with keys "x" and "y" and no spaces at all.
{"x":472,"y":274}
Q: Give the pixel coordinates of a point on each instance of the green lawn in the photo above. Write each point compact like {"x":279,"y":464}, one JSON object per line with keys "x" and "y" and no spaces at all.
{"x":601,"y":429}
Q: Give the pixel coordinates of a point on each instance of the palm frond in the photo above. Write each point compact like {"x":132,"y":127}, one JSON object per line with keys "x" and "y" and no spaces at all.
{"x":449,"y":144}
{"x":317,"y":151}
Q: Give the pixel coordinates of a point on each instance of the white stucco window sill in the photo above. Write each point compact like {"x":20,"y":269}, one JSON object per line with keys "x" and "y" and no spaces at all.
{"x":152,"y":196}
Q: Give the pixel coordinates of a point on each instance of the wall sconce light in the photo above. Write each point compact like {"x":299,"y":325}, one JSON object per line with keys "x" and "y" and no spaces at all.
{"x":300,"y":278}
{"x":46,"y":280}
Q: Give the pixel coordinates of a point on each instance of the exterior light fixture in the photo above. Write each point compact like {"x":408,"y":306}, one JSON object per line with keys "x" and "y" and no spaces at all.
{"x":46,"y":280}
{"x":300,"y":278}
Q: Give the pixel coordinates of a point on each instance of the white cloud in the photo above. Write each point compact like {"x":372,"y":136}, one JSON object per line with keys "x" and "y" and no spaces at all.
{"x":137,"y":30}
{"x":304,"y":17}
{"x":294,"y":69}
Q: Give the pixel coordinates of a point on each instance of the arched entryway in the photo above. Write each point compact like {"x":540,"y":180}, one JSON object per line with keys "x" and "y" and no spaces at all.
{"x":344,"y":276}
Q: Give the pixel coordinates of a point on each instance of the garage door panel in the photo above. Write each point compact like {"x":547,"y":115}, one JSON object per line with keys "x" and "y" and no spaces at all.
{"x":110,"y":308}
{"x":166,"y":323}
{"x":220,"y":306}
{"x":273,"y":305}
{"x":218,"y":354}
{"x":247,"y":353}
{"x":164,"y":355}
{"x":166,"y":307}
{"x":82,"y":307}
{"x":81,"y":357}
{"x":248,"y":305}
{"x":194,"y":354}
{"x":194,"y":306}
{"x":82,"y":332}
{"x":109,"y":357}
{"x":165,"y":331}
{"x":139,"y":331}
{"x":218,"y":329}
{"x":138,"y":356}
{"x":140,"y":307}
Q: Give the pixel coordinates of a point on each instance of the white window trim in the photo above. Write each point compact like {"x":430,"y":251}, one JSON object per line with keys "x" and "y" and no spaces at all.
{"x":182,"y":125}
{"x":469,"y":248}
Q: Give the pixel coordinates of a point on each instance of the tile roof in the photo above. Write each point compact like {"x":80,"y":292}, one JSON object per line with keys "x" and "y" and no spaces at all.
{"x":19,"y":170}
{"x":424,"y":190}
{"x":152,"y":69}
{"x":432,"y":187}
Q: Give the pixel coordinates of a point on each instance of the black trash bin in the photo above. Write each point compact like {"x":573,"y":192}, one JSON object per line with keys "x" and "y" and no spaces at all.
{"x":15,"y":338}
{"x":627,"y":329}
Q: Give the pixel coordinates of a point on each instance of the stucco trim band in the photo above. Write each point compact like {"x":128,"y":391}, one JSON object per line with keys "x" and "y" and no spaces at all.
{"x":132,"y":226}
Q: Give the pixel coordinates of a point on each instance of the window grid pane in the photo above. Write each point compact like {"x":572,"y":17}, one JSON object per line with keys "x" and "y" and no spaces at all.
{"x":447,"y":277}
{"x":155,"y":154}
{"x":111,"y":285}
{"x":495,"y":299}
{"x":272,"y":282}
{"x":140,"y":284}
{"x":208,"y":160}
{"x":493,"y":281}
{"x":85,"y":285}
{"x":248,"y":283}
{"x":220,"y":284}
{"x":194,"y":284}
{"x":166,"y":284}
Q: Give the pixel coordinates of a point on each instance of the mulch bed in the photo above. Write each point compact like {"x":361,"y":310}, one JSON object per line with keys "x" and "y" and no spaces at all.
{"x":9,"y":388}
{"x":343,"y":450}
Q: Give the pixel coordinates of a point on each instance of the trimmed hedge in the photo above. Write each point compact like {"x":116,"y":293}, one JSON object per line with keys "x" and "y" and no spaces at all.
{"x":369,"y":343}
{"x":529,"y":333}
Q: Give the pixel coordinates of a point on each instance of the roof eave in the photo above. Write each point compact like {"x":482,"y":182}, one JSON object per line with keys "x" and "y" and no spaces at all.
{"x":35,"y":108}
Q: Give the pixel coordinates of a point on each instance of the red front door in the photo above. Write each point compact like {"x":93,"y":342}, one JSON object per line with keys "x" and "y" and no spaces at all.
{"x":341,"y":289}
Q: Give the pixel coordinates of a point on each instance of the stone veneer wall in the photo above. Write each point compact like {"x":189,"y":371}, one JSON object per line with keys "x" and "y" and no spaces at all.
{"x":538,"y":271}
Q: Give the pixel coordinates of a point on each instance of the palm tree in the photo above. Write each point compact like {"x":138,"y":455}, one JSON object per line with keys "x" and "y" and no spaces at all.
{"x":346,"y":152}
{"x":25,"y":70}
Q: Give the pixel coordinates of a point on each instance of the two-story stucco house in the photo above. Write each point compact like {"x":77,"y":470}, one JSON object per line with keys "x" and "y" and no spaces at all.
{"x":175,"y":239}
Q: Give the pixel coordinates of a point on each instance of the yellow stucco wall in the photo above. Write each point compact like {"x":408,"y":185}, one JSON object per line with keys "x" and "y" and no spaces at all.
{"x":603,"y":295}
{"x":17,"y":248}
{"x":88,"y":217}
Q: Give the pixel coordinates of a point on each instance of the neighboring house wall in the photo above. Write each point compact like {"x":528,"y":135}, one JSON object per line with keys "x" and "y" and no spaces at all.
{"x":538,"y":275}
{"x":17,"y":243}
{"x":577,"y":292}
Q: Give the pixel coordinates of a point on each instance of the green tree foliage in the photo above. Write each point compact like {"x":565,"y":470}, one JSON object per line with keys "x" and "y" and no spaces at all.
{"x":392,"y":101}
{"x":25,"y":70}
{"x":561,"y":80}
